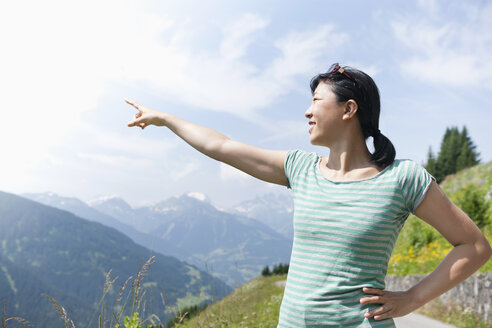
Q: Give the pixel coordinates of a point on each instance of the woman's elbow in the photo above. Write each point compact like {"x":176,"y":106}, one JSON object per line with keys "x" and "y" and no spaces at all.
{"x":483,"y":248}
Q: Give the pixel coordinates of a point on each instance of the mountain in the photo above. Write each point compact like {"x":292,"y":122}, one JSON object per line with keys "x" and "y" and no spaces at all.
{"x":22,"y":291}
{"x":83,"y":210}
{"x":115,"y":207}
{"x":274,"y":210}
{"x":234,"y":247}
{"x":44,"y":249}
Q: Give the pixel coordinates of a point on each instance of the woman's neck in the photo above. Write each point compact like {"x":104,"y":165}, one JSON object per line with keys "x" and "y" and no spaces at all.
{"x":348,"y":155}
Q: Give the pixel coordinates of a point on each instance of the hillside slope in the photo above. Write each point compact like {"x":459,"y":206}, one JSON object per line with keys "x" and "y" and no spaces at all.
{"x":254,"y":304}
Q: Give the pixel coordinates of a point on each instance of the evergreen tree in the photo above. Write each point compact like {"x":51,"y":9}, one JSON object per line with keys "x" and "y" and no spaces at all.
{"x":277,"y":269}
{"x":457,"y":152}
{"x":266,"y":271}
{"x":431,"y":165}
{"x":468,"y":156}
{"x":450,"y":149}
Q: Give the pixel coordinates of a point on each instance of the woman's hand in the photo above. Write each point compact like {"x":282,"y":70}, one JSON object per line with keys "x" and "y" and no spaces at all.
{"x":145,"y":116}
{"x":394,"y":304}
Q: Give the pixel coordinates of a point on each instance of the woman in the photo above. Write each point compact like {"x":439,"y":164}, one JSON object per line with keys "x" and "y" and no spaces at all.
{"x":349,"y":208}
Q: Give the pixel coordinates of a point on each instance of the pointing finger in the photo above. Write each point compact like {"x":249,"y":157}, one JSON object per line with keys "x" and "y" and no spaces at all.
{"x":134,"y":104}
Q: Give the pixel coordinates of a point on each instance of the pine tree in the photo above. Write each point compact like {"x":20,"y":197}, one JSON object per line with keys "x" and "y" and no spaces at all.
{"x":456,"y":153}
{"x":431,"y":166}
{"x":468,"y":156}
{"x":450,"y":148}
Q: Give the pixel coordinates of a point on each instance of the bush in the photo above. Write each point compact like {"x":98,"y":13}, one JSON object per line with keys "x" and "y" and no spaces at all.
{"x":471,"y":199}
{"x":420,"y":233}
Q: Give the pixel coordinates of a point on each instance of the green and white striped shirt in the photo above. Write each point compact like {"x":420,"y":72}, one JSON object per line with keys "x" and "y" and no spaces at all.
{"x":344,"y":233}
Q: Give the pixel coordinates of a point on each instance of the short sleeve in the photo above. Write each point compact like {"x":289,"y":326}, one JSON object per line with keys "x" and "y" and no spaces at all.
{"x":295,"y":160}
{"x":415,"y":181}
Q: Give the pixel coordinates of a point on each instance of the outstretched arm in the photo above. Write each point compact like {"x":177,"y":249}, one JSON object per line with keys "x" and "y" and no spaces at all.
{"x":267,"y":165}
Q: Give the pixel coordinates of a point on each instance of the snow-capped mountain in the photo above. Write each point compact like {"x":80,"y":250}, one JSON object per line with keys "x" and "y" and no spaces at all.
{"x":274,"y":210}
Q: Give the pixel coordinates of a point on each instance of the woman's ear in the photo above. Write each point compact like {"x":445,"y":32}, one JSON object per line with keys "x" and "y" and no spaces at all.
{"x":350,"y":109}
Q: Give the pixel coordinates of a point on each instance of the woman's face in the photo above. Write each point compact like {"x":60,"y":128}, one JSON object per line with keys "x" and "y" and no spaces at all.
{"x":325,"y":116}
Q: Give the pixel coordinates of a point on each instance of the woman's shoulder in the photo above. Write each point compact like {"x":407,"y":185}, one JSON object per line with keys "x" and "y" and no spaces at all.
{"x":406,"y":163}
{"x":409,"y":169}
{"x":296,"y":158}
{"x":302,"y":154}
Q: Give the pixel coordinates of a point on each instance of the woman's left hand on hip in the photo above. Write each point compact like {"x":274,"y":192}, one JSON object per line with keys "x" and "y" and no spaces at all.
{"x":393,"y":304}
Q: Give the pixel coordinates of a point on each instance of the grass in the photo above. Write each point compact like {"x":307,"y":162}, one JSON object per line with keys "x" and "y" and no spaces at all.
{"x":255,"y":304}
{"x":453,"y":314}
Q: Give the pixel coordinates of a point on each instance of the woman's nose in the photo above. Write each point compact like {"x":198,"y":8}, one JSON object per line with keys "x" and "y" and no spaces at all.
{"x":308,"y":113}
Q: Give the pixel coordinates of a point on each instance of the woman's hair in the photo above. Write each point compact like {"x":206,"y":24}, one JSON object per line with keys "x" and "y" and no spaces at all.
{"x":350,"y":83}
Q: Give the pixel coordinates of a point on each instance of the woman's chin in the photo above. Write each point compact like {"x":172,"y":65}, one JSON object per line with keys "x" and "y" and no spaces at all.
{"x":313,"y":140}
{"x":317,"y":142}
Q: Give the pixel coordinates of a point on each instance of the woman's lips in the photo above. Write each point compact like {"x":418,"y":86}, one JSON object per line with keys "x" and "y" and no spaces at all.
{"x":311,"y":125}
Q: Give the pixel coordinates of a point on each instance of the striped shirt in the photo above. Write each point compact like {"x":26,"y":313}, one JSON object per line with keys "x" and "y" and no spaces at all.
{"x":344,"y":233}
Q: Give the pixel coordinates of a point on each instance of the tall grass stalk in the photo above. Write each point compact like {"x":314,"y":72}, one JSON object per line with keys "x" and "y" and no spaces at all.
{"x":135,"y":300}
{"x":4,"y":319}
{"x":61,"y":311}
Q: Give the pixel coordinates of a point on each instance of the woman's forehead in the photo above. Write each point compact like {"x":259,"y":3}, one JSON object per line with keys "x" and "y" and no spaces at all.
{"x":323,"y":89}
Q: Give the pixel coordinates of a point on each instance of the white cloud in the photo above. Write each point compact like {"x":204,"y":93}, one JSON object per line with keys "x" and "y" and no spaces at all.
{"x":285,"y":130}
{"x":371,"y":70}
{"x":135,"y":142}
{"x":451,"y":53}
{"x":117,"y":161}
{"x":240,"y":34}
{"x":302,"y":51}
{"x":186,"y":170}
{"x":229,"y":173}
{"x":430,"y":6}
{"x":228,"y":83}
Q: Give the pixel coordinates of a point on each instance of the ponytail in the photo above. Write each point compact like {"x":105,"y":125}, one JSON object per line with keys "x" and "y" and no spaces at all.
{"x":384,"y":151}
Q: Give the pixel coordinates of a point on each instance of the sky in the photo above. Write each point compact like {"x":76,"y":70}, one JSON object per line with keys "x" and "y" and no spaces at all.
{"x":239,"y":67}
